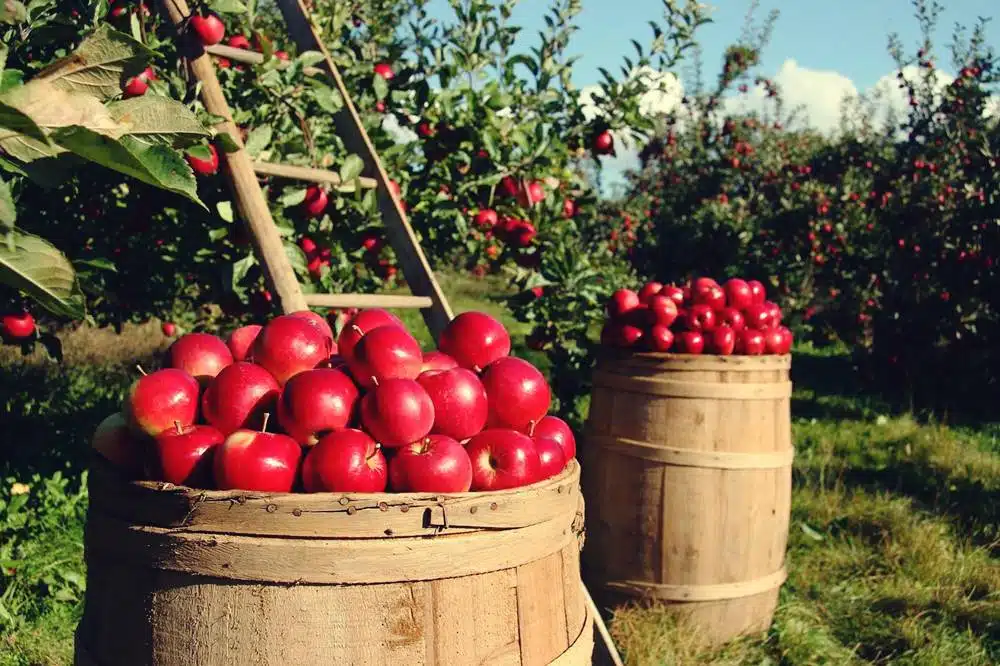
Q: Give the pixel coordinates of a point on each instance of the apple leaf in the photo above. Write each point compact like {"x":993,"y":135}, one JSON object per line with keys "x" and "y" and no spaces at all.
{"x":13,"y":12}
{"x":157,"y":165}
{"x":259,"y":139}
{"x":228,"y":6}
{"x":96,"y":68}
{"x":30,"y":113}
{"x":8,"y":214}
{"x":160,"y":120}
{"x":351,"y":168}
{"x":381,"y":86}
{"x":227,"y":142}
{"x":200,"y":152}
{"x":33,"y":265}
{"x":297,"y":258}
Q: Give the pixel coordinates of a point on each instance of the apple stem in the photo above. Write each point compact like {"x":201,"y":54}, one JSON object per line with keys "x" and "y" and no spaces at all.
{"x":357,"y":329}
{"x":267,"y":416}
{"x":177,"y":427}
{"x":141,"y":371}
{"x":375,"y":381}
{"x":531,"y":428}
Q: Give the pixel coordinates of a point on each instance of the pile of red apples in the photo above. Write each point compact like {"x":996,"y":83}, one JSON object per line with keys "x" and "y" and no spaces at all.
{"x":289,"y":407}
{"x":702,"y":317}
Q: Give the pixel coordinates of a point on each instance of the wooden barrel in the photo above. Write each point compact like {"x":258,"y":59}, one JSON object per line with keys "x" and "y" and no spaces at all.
{"x":687,"y":476}
{"x":178,"y":577}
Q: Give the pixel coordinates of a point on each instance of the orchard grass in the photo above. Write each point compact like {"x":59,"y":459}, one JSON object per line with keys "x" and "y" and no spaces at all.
{"x":893,"y":553}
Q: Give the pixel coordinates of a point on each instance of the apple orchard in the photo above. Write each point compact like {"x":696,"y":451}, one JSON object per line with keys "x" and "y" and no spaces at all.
{"x":881,"y":238}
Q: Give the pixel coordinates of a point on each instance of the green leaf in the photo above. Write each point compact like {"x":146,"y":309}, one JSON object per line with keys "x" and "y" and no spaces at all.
{"x":259,"y":139}
{"x":227,"y":142}
{"x":9,"y":79}
{"x":297,"y":258}
{"x":380,"y":85}
{"x":218,"y":234}
{"x":200,"y":152}
{"x":102,"y":264}
{"x":33,"y":265}
{"x":97,"y":67}
{"x":228,"y":6}
{"x":13,"y":12}
{"x":293,"y":197}
{"x":351,"y":168}
{"x":8,"y":214}
{"x":48,"y":109}
{"x":326,"y":97}
{"x":159,"y":166}
{"x":309,"y":58}
{"x":240,"y":270}
{"x":225,"y":210}
{"x":154,"y":119}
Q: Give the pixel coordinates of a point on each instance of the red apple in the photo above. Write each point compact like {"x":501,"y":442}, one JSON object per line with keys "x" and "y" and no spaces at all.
{"x":460,"y":404}
{"x":435,"y":360}
{"x":17,"y":326}
{"x":204,"y":167}
{"x":722,"y":341}
{"x":315,"y":402}
{"x":663,"y":309}
{"x":486,"y":218}
{"x":774,"y":311}
{"x":384,"y":70}
{"x":361,"y":323}
{"x":604,"y":143}
{"x":758,"y":316}
{"x":315,"y":201}
{"x":757,"y":291}
{"x":239,"y":397}
{"x":622,"y":301}
{"x":641,"y":316}
{"x":778,"y":340}
{"x":397,"y":412}
{"x":388,"y":352}
{"x":660,"y":338}
{"x":689,"y":342}
{"x":345,"y":461}
{"x":320,"y":322}
{"x":157,"y":400}
{"x":732,"y":318}
{"x":711,"y":295}
{"x":241,"y":340}
{"x":676,"y":294}
{"x":738,"y":294}
{"x":553,"y":427}
{"x":503,"y":459}
{"x":699,"y":317}
{"x":649,"y":290}
{"x":183,"y":455}
{"x":551,"y":457}
{"x":620,"y":334}
{"x":119,"y":445}
{"x":201,"y":355}
{"x":168,"y":328}
{"x":435,"y":464}
{"x":517,"y":392}
{"x":239,"y":42}
{"x":474,"y":340}
{"x":288,"y":345}
{"x":750,"y":342}
{"x":257,"y":461}
{"x":209,"y":28}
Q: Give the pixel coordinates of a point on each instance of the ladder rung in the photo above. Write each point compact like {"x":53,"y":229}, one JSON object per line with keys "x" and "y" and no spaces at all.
{"x":368,"y":301}
{"x":236,"y":55}
{"x":309,"y":174}
{"x":248,"y":57}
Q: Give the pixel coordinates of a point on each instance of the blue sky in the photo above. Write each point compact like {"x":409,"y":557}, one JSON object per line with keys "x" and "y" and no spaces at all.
{"x":820,"y":50}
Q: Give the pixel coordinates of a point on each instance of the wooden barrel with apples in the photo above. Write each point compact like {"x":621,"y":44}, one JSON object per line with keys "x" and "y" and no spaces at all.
{"x":178,"y":576}
{"x":687,"y":475}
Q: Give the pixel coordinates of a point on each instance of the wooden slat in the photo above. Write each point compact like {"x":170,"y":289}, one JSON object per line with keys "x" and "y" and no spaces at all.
{"x":368,"y":301}
{"x":239,"y":170}
{"x":310,"y":174}
{"x":236,"y":55}
{"x":350,"y":128}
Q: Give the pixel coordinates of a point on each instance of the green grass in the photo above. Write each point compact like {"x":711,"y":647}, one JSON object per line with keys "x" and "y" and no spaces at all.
{"x":893,"y":548}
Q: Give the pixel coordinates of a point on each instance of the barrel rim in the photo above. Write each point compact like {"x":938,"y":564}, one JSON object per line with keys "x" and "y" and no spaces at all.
{"x":414,"y":499}
{"x":700,"y":361}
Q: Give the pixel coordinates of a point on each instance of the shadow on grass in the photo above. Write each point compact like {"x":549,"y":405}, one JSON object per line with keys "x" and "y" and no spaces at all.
{"x":49,"y":412}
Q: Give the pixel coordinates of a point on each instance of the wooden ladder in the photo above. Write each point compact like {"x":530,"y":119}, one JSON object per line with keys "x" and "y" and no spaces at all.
{"x":242,"y":173}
